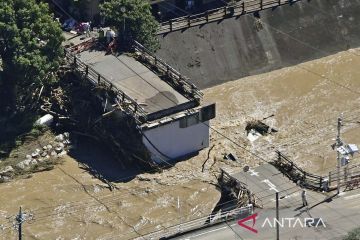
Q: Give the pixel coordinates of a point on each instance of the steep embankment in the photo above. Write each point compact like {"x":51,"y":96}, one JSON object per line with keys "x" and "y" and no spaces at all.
{"x":221,"y":51}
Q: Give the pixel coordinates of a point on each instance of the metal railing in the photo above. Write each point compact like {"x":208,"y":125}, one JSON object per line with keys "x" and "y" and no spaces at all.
{"x":125,"y":102}
{"x":229,"y":180}
{"x":298,"y":175}
{"x":245,"y":6}
{"x":349,"y":176}
{"x":198,"y":223}
{"x":242,"y":194}
{"x":175,"y":79}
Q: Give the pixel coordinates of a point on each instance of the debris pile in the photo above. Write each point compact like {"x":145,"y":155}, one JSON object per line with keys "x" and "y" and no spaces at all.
{"x":78,"y":107}
{"x":52,"y":150}
{"x":256,"y":129}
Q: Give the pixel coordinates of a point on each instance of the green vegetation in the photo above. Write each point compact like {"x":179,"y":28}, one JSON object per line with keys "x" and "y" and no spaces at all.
{"x":30,"y":50}
{"x":30,"y":55}
{"x":353,"y":235}
{"x":133,"y":20}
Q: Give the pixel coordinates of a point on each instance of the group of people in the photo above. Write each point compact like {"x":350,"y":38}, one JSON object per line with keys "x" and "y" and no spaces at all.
{"x":82,"y":27}
{"x":85,"y":28}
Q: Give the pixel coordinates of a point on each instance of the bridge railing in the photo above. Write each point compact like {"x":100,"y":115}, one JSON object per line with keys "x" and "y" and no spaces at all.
{"x":245,"y":6}
{"x":229,"y":180}
{"x":238,"y":189}
{"x":175,"y":79}
{"x":296,"y":174}
{"x":125,"y":102}
{"x":198,"y":223}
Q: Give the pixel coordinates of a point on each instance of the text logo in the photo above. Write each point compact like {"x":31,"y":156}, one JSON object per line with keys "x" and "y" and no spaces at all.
{"x":253,"y":218}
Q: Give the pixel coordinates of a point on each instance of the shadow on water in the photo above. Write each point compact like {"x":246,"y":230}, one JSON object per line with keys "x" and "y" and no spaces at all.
{"x":96,"y":158}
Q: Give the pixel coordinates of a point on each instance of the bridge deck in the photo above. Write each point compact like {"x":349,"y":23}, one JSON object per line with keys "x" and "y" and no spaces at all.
{"x":265,"y":180}
{"x":136,"y":80}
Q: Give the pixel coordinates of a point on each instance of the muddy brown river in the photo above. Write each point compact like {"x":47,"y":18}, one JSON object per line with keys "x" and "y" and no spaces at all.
{"x":305,"y":101}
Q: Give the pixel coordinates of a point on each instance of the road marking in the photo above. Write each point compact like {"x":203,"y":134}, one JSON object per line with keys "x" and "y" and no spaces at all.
{"x":352,"y":196}
{"x":253,"y":173}
{"x":270,"y":184}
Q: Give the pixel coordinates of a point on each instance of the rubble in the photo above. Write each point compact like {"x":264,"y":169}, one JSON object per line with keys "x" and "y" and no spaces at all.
{"x":62,"y":153}
{"x":4,"y":178}
{"x":35,"y":154}
{"x":24,"y":164}
{"x":7,"y":170}
{"x":39,"y":155}
{"x":58,"y":149}
{"x":59,"y":138}
{"x":33,"y":162}
{"x":53,"y":154}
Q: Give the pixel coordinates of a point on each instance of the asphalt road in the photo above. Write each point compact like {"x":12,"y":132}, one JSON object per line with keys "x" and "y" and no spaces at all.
{"x":329,"y":219}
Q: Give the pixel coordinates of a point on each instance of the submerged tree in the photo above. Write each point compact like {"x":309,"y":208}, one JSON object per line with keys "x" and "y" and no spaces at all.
{"x":30,"y":49}
{"x":133,"y":20}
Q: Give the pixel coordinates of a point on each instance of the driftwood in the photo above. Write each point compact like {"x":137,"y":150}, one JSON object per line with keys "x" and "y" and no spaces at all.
{"x":208,"y":157}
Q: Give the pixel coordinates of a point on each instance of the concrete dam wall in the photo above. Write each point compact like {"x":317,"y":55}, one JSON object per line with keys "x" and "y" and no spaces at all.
{"x":233,"y":48}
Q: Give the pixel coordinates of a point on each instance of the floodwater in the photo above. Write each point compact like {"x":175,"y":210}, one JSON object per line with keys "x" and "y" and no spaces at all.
{"x":69,"y":203}
{"x":306,"y":101}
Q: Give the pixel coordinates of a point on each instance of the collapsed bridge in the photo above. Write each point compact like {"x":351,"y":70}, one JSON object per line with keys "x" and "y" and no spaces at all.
{"x":162,"y":104}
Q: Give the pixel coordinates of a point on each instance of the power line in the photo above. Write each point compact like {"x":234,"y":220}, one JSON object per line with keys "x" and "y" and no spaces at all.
{"x":294,"y":202}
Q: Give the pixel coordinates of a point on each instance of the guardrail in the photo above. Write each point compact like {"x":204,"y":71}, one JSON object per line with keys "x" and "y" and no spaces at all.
{"x":175,"y":79}
{"x":349,"y":177}
{"x":126,"y":103}
{"x":198,"y":223}
{"x":246,"y":6}
{"x":296,"y":174}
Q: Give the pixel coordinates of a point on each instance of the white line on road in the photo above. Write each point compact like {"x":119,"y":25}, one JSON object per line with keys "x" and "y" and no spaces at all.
{"x":253,"y":173}
{"x":270,"y":184}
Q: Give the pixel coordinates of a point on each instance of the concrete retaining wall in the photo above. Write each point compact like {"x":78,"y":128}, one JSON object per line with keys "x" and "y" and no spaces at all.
{"x":291,"y":34}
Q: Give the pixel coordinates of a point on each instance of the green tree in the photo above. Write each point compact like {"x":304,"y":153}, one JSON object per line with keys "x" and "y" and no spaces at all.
{"x":353,"y":235}
{"x":133,"y":21}
{"x":30,"y":49}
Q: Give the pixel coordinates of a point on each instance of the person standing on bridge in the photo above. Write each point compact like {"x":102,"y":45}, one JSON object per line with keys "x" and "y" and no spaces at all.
{"x":304,"y":198}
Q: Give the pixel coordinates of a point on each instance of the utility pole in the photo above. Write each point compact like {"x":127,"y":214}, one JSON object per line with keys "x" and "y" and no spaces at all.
{"x":123,"y":10}
{"x":19,"y":220}
{"x":339,"y":143}
{"x":277,"y":217}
